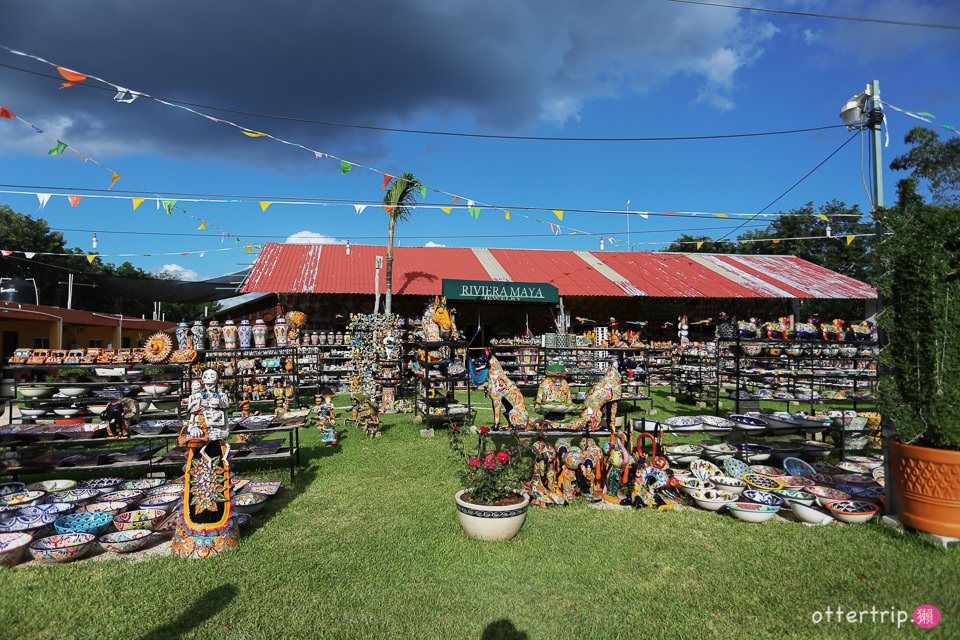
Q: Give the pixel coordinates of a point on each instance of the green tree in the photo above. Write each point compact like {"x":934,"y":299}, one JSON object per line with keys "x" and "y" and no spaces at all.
{"x":933,"y":162}
{"x":398,"y":202}
{"x":688,"y":244}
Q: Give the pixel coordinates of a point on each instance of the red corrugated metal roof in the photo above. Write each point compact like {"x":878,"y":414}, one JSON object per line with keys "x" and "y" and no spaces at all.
{"x":43,"y":313}
{"x":287,"y":268}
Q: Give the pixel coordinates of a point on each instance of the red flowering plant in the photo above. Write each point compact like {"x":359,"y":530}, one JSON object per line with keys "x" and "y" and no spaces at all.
{"x":491,"y":475}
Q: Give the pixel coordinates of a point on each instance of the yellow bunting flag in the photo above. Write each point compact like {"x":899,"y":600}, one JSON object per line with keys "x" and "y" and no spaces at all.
{"x":91,"y":257}
{"x":849,"y":239}
{"x":74,"y":200}
{"x":446,"y":209}
{"x":203,"y":225}
{"x":253,"y":134}
{"x":559,"y":214}
{"x":137,"y":202}
{"x":506,"y":214}
{"x":699,"y":244}
{"x":820,"y":215}
{"x":720,"y":215}
{"x":264,"y":205}
{"x":113,"y":180}
{"x":249,"y":248}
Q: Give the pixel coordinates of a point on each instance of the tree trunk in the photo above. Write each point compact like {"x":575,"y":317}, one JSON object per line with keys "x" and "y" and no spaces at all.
{"x":388,"y":298}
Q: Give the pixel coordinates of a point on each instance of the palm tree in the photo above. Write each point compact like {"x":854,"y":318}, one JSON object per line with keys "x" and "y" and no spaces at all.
{"x":398,"y":202}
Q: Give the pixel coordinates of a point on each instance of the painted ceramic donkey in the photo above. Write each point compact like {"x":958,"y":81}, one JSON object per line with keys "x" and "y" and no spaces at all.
{"x":808,"y":330}
{"x":777,"y":330}
{"x":606,"y":389}
{"x":749,"y":328}
{"x":862,"y":331}
{"x":833,"y":331}
{"x":503,"y":391}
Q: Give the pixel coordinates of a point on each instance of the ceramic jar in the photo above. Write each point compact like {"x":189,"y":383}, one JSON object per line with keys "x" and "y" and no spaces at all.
{"x":214,"y":335}
{"x":197,"y":335}
{"x":229,"y":334}
{"x":183,"y":336}
{"x":281,"y":331}
{"x":260,"y":333}
{"x":244,"y":333}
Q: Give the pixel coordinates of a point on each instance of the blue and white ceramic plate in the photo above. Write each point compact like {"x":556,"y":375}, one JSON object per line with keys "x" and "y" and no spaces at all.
{"x":764,"y":497}
{"x":704,"y":469}
{"x":797,"y":467}
{"x":761,"y":482}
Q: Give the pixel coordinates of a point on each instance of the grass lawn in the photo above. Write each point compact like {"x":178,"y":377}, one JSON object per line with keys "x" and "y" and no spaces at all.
{"x":366,"y":544}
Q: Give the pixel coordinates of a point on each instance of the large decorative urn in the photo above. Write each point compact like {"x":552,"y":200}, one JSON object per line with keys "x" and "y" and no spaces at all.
{"x":244,"y":333}
{"x":229,"y":334}
{"x":260,"y":333}
{"x":197,"y":335}
{"x":183,"y":336}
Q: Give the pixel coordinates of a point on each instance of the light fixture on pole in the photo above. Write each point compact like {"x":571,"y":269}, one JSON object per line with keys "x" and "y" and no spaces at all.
{"x":348,"y":247}
{"x":94,"y":240}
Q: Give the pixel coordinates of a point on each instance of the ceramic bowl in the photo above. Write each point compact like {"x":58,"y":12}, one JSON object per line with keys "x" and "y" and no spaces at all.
{"x":704,"y":469}
{"x":867,"y":493}
{"x":11,"y":487}
{"x":765,"y":497}
{"x":103,"y":485}
{"x":733,"y":486}
{"x":59,"y":508}
{"x":125,"y":541}
{"x":855,"y":478}
{"x":795,"y":482}
{"x":798,"y":467}
{"x":249,"y":502}
{"x":749,"y":423}
{"x":243,"y":518}
{"x":139,"y":519}
{"x":30,"y":519}
{"x":735,"y":468}
{"x":78,"y":496}
{"x":758,"y":481}
{"x":113,"y":507}
{"x":712,"y":499}
{"x":62,"y":547}
{"x":816,"y":449}
{"x":124,"y":495}
{"x":157,"y":389}
{"x":691,"y":485}
{"x":23,"y":498}
{"x":68,"y":412}
{"x":753,"y":452}
{"x":683,"y":453}
{"x":96,"y":409}
{"x":36,"y":392}
{"x":797,"y":495}
{"x":719,"y":452}
{"x":879,"y":475}
{"x":852,"y":511}
{"x":88,"y":522}
{"x":12,"y":546}
{"x":53,"y":486}
{"x":752,"y":512}
{"x":174,"y":487}
{"x":852,"y":467}
{"x":826,"y":467}
{"x":783,"y":450}
{"x":165,"y":405}
{"x":164,"y":501}
{"x":781,"y":425}
{"x":73,"y":392}
{"x":766,"y":470}
{"x":826,"y":494}
{"x":34,"y":412}
{"x":143,"y":484}
{"x":809,"y":514}
{"x":683,"y":423}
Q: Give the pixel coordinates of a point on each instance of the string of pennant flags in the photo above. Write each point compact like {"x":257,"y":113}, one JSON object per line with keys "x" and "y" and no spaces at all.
{"x":922,"y":115}
{"x":472,"y":207}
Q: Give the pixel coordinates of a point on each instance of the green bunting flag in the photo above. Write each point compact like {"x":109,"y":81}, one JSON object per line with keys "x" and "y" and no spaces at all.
{"x":345,"y":166}
{"x":58,"y":150}
{"x":168,"y":205}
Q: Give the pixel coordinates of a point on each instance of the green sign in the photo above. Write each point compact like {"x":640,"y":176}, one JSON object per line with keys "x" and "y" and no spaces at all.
{"x":495,"y":291}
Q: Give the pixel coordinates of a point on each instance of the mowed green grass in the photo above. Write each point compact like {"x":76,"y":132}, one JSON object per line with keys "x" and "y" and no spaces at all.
{"x":366,"y":544}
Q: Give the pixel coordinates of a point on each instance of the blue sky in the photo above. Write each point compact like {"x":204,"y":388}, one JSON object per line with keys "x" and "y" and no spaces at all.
{"x":639,"y":69}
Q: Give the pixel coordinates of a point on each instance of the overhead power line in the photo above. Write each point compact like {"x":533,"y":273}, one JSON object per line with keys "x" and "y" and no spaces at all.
{"x":901,"y":23}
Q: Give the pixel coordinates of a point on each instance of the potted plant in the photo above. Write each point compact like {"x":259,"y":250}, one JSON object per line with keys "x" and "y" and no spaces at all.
{"x":492,"y":504}
{"x":919,"y":390}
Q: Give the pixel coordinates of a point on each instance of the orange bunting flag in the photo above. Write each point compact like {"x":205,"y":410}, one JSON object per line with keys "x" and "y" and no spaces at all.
{"x":559,"y":214}
{"x":113,"y":180}
{"x":137,"y":202}
{"x":184,"y":254}
{"x":386,"y":180}
{"x":6,"y":253}
{"x":446,"y":209}
{"x":91,"y":257}
{"x":71,"y":76}
{"x":456,"y":199}
{"x":253,"y":134}
{"x":506,"y":214}
{"x":776,"y":241}
{"x":264,"y":205}
{"x":670,"y":213}
{"x":203,"y":225}
{"x":849,"y":239}
{"x":388,"y":209}
{"x":74,"y":200}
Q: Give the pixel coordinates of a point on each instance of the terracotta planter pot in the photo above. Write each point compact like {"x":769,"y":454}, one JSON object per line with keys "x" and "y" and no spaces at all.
{"x":928,"y":487}
{"x":491,"y":523}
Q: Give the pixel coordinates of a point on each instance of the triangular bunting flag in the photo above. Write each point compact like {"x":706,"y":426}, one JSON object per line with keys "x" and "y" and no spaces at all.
{"x":446,"y":209}
{"x":559,"y":214}
{"x":168,"y":205}
{"x":388,"y":209}
{"x":57,"y":150}
{"x":699,"y":244}
{"x":776,"y":241}
{"x":28,"y":254}
{"x":475,"y":212}
{"x":203,"y":225}
{"x":71,"y":76}
{"x":721,"y":215}
{"x":456,"y":199}
{"x":670,"y":213}
{"x":359,"y":208}
{"x":264,"y":205}
{"x":113,"y":180}
{"x":506,"y":214}
{"x":74,"y":200}
{"x":849,"y":239}
{"x":820,"y":215}
{"x":125,"y":95}
{"x":185,"y":254}
{"x":44,"y":198}
{"x":5,"y":113}
{"x":201,"y":253}
{"x":643,"y":214}
{"x":386,"y":180}
{"x":91,"y":257}
{"x":345,"y":166}
{"x":253,"y":134}
{"x":6,"y":253}
{"x":249,"y":248}
{"x":137,"y":202}
{"x":423,"y":190}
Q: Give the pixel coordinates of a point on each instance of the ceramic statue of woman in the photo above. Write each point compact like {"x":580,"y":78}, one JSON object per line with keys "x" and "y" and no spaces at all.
{"x":206,"y":525}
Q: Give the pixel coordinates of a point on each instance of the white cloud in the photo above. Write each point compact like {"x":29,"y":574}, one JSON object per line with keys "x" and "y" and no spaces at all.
{"x":312,"y":237}
{"x":431,"y":243}
{"x":178,"y":272}
{"x":811,"y":37}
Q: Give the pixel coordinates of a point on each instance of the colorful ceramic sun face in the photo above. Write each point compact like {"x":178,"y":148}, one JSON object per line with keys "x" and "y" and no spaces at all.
{"x":761,"y":482}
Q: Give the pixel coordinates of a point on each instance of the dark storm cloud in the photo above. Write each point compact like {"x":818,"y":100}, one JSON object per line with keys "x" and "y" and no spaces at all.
{"x":498,"y":66}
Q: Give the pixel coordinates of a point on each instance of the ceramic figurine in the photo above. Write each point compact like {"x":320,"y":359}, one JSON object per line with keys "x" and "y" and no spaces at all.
{"x":229,"y":334}
{"x":260,"y":333}
{"x":214,"y":335}
{"x":603,"y":392}
{"x":281,"y":331}
{"x":314,"y":338}
{"x":197,"y":334}
{"x":327,"y":420}
{"x":504,"y":391}
{"x":543,"y":486}
{"x":120,"y":414}
{"x":618,"y":468}
{"x":206,"y":525}
{"x":183,"y":336}
{"x":244,"y":333}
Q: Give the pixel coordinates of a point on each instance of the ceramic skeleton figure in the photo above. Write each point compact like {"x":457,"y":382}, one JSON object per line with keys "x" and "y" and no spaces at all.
{"x":503,"y":391}
{"x":206,"y":525}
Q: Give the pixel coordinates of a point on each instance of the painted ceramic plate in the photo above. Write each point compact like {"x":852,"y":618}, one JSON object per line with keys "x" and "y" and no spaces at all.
{"x":824,"y":479}
{"x":878,"y":475}
{"x":827,"y":493}
{"x":764,"y":497}
{"x":765,"y":470}
{"x":860,"y":491}
{"x":735,"y":468}
{"x":795,"y":482}
{"x":716,"y":421}
{"x":761,"y":482}
{"x":826,"y":467}
{"x":854,"y":478}
{"x":143,"y":484}
{"x":797,"y":467}
{"x":704,"y":469}
{"x":852,"y":506}
{"x":852,"y":467}
{"x":683,"y":421}
{"x":100,"y":483}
